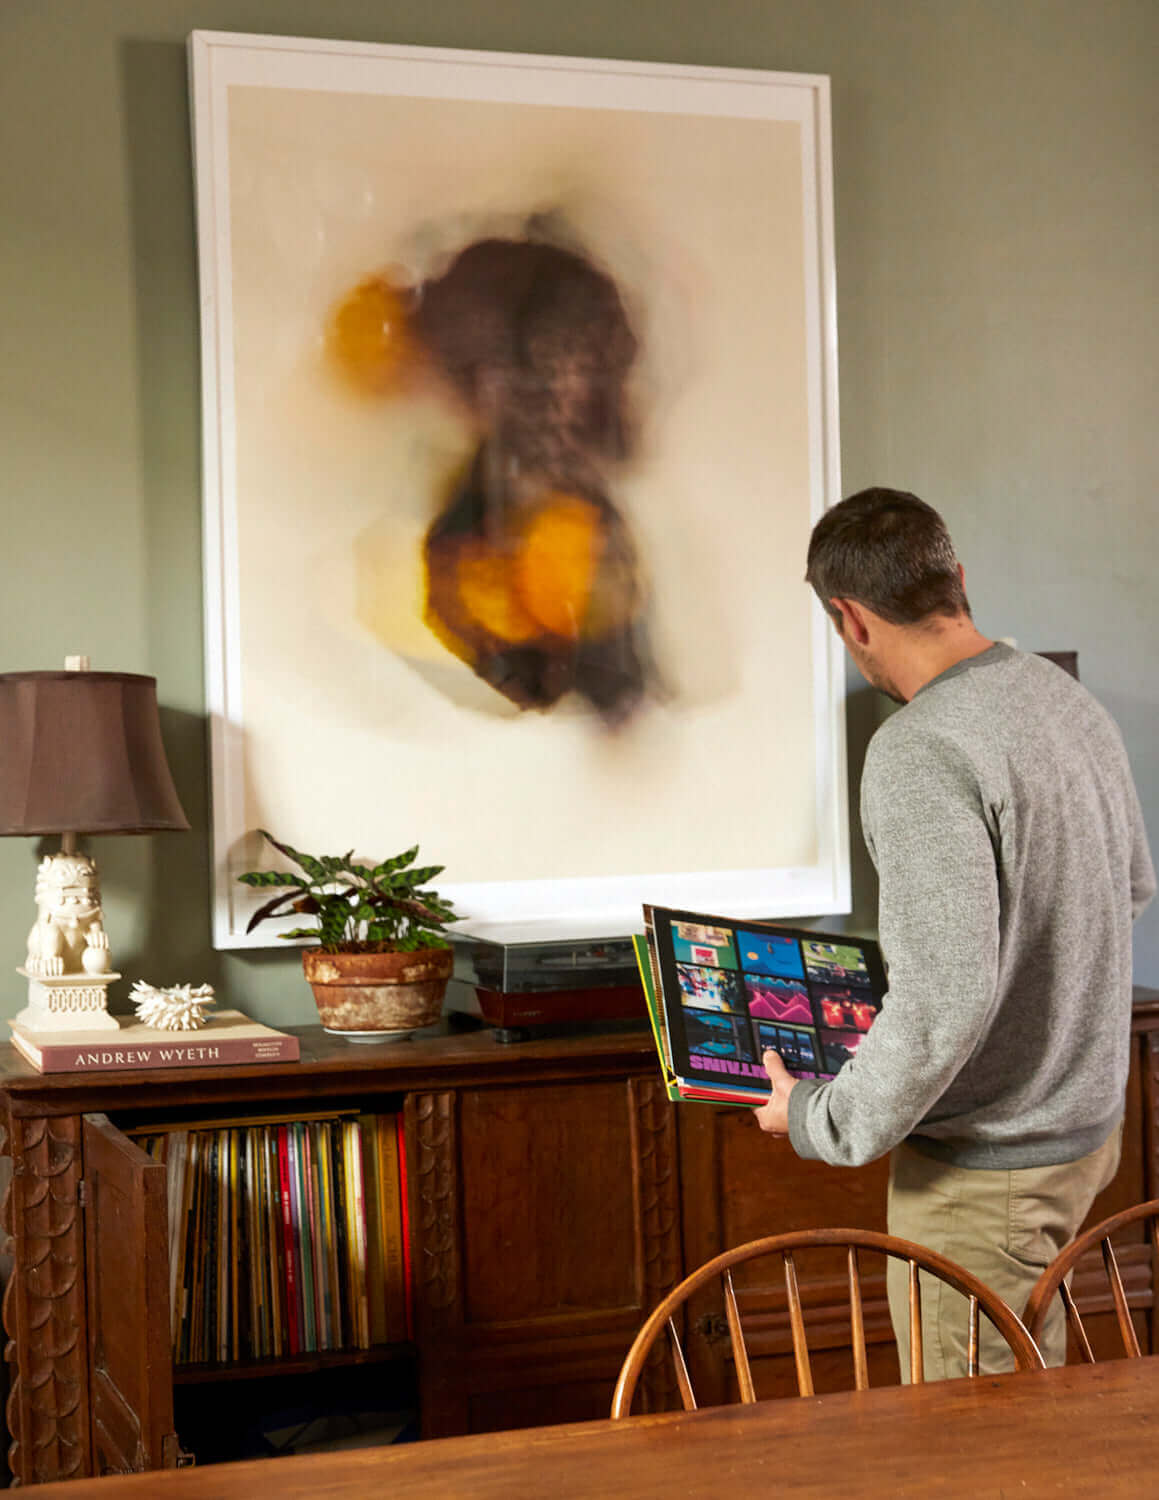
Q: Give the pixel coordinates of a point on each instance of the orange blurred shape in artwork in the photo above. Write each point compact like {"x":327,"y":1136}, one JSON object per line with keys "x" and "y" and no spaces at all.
{"x":544,"y":575}
{"x":540,"y":596}
{"x":368,"y":337}
{"x":488,"y":594}
{"x":557,"y":562}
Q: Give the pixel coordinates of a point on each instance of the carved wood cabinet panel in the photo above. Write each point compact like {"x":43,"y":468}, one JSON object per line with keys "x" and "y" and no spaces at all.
{"x":550,"y":1225}
{"x":44,"y":1303}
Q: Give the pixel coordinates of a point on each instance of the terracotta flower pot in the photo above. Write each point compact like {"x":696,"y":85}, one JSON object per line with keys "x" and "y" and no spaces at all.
{"x":369,"y":996}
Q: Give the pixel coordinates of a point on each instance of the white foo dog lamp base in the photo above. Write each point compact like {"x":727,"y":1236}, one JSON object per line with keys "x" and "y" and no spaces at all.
{"x":68,"y":967}
{"x":80,"y":752}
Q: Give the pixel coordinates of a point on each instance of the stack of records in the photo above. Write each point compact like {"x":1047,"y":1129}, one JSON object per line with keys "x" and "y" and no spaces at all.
{"x":286,"y":1236}
{"x":721,"y":992}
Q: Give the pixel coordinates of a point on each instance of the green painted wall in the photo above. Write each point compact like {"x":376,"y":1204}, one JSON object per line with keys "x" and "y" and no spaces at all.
{"x":997,"y":246}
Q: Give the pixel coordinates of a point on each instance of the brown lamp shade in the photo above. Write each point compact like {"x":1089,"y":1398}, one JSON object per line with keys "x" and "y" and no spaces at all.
{"x":81,"y":752}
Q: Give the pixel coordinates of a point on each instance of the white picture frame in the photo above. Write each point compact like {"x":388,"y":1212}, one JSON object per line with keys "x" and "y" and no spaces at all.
{"x":310,"y":158}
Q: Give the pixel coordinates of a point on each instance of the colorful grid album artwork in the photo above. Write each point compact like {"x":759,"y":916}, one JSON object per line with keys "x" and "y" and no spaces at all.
{"x":732,"y":990}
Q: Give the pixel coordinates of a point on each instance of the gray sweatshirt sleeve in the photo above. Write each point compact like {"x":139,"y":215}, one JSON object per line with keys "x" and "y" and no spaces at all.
{"x":928,"y":834}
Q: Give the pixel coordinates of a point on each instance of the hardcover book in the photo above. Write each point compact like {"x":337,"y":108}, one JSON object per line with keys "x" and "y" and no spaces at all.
{"x":723,"y":991}
{"x":227,"y":1038}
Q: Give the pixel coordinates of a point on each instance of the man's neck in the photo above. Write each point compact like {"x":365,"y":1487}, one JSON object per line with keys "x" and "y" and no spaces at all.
{"x":933,"y":648}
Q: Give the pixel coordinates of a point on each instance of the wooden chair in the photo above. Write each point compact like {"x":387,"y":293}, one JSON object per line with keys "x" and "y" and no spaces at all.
{"x":981,"y":1299}
{"x":1055,"y":1280}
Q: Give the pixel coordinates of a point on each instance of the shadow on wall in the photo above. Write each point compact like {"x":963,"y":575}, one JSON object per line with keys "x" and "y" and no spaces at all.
{"x":1135,"y":716}
{"x":162,"y":880}
{"x":865,"y":710}
{"x":167,"y":878}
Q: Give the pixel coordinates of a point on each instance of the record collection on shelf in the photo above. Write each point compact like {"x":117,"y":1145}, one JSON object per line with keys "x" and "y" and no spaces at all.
{"x":286,"y":1236}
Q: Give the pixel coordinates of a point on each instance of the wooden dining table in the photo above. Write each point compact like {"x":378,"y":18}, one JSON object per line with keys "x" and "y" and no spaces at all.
{"x":1084,"y":1430}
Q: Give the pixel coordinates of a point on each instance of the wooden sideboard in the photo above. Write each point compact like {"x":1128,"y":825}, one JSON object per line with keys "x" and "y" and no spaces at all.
{"x":555,"y":1195}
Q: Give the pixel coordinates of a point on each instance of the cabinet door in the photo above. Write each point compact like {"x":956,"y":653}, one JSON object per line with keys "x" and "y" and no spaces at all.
{"x":127,"y":1282}
{"x":546,"y":1227}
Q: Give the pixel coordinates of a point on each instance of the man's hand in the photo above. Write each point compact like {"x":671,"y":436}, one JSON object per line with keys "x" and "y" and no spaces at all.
{"x":773,"y":1117}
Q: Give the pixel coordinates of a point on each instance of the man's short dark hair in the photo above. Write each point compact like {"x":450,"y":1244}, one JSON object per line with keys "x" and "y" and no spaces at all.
{"x":890,"y":551}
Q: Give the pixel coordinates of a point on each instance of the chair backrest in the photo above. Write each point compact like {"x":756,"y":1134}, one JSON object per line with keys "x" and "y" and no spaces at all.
{"x":918,"y":1258}
{"x":1055,"y":1280}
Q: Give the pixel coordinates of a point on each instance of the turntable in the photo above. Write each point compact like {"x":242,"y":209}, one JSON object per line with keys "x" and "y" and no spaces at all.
{"x":520,"y":980}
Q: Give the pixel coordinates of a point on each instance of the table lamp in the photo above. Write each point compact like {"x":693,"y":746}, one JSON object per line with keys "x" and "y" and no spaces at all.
{"x":80,"y":753}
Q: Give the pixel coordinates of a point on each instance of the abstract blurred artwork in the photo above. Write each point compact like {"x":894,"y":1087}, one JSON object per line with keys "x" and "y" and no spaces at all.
{"x":519,"y":403}
{"x":529,"y":570}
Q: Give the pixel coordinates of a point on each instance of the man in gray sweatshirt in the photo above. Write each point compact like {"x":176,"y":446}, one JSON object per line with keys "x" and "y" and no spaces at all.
{"x":1000,"y":812}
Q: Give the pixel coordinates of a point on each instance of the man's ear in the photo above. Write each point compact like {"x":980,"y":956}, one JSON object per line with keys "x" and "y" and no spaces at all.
{"x":851,"y":620}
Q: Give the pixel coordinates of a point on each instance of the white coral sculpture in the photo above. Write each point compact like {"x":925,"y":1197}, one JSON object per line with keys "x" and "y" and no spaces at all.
{"x":180,"y":1007}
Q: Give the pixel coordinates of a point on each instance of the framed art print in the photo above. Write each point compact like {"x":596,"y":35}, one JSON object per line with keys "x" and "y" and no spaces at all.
{"x":520,"y":402}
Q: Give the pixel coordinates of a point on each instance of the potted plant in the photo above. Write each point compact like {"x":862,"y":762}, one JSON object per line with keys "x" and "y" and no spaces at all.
{"x":381,"y":964}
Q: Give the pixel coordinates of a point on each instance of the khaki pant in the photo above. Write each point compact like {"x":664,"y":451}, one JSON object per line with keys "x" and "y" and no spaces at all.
{"x":1006,"y":1227}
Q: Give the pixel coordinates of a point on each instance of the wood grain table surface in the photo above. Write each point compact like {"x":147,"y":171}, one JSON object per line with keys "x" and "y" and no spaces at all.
{"x":1080,"y":1431}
